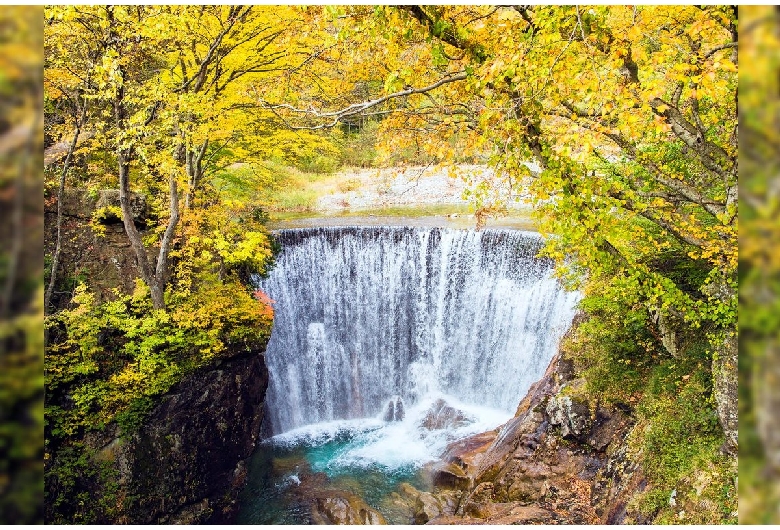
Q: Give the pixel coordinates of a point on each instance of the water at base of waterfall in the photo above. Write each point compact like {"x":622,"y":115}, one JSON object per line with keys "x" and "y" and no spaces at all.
{"x":369,"y":458}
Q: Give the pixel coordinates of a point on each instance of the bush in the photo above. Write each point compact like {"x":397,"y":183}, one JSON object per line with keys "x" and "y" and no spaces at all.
{"x":109,"y":360}
{"x":677,"y":436}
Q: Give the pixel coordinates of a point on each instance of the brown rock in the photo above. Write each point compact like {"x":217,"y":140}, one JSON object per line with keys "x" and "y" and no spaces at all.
{"x":570,"y":415}
{"x":456,"y":520}
{"x":550,"y":464}
{"x":426,"y":508}
{"x":447,"y":475}
{"x":345,"y":508}
{"x":443,"y":416}
{"x":467,"y":452}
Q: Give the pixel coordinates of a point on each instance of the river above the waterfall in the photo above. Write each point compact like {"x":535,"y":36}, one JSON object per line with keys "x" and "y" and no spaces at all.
{"x":389,"y":343}
{"x":463,"y":220}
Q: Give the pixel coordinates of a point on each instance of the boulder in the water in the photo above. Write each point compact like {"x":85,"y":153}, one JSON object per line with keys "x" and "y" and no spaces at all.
{"x":344,"y":508}
{"x":444,"y":416}
{"x":399,"y":409}
{"x":394,"y":410}
{"x":390,"y":411}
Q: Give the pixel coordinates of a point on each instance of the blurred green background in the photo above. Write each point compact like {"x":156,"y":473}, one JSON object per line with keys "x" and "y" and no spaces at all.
{"x":759,"y":265}
{"x":21,"y":265}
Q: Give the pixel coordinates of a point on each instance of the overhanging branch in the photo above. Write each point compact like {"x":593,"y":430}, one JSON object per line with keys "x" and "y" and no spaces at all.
{"x":356,"y":108}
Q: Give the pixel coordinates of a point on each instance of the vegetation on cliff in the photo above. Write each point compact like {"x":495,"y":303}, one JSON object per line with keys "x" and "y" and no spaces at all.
{"x":118,"y":117}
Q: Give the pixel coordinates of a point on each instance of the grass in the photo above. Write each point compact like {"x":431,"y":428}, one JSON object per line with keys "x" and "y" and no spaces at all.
{"x":276,"y":187}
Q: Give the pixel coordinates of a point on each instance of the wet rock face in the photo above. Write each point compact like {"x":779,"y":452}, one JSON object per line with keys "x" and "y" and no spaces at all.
{"x":187,"y":464}
{"x":467,"y":452}
{"x":443,"y":416}
{"x":344,"y":508}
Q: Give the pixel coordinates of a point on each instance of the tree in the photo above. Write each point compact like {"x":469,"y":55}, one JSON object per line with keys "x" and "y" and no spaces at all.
{"x":69,"y":87}
{"x":173,"y":103}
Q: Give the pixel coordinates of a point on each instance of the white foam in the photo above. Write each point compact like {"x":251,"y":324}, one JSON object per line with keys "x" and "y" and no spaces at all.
{"x":391,"y":446}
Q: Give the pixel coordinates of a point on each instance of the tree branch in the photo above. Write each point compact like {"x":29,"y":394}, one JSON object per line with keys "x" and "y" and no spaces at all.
{"x":357,"y":108}
{"x":661,"y":222}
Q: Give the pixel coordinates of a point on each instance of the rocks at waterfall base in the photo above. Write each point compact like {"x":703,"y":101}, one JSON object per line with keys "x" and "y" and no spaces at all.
{"x":444,"y":416}
{"x":343,"y":508}
{"x":558,"y":461}
{"x":394,"y":410}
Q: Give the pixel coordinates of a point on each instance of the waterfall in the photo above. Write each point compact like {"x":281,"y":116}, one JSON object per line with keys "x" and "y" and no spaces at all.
{"x":372,"y":315}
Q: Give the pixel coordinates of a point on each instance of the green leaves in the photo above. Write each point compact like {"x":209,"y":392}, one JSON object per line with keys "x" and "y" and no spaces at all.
{"x":393,"y":82}
{"x":110,"y":354}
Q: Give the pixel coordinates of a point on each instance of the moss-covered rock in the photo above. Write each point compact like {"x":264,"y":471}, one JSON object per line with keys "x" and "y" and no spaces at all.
{"x":185,"y":464}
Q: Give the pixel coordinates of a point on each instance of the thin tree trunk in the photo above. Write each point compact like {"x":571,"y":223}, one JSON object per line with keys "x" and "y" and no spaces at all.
{"x":132,"y":232}
{"x":165,"y":245}
{"x":123,"y":155}
{"x":194,"y":172}
{"x":60,"y":192}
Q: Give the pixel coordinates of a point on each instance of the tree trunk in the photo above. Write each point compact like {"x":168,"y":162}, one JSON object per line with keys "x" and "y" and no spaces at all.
{"x":161,"y":270}
{"x":726,"y":389}
{"x":132,"y":232}
{"x":194,"y":167}
{"x":123,"y":156}
{"x":725,"y":377}
{"x":80,"y":121}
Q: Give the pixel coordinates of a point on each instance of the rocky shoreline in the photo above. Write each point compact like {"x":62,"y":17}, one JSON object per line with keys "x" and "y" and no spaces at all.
{"x":558,"y":461}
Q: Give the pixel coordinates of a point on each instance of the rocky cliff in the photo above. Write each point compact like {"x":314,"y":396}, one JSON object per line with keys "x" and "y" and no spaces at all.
{"x":187,"y":463}
{"x":558,"y":461}
{"x":567,"y":458}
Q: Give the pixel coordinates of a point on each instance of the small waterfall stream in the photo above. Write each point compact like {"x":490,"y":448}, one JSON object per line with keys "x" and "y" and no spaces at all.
{"x":389,"y":343}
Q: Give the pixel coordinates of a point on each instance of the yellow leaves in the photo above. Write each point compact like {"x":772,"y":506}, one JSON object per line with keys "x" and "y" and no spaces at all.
{"x":634,"y":32}
{"x":725,"y":65}
{"x":661,"y":126}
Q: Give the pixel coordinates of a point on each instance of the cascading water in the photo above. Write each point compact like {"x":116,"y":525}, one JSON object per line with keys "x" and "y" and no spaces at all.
{"x":365,"y":314}
{"x":390,"y":342}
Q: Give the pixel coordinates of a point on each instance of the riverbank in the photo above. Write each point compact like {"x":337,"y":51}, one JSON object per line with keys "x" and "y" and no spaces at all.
{"x":424,"y":196}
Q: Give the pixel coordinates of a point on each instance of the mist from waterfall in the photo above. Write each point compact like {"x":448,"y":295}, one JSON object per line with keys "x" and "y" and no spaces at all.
{"x":368,"y":315}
